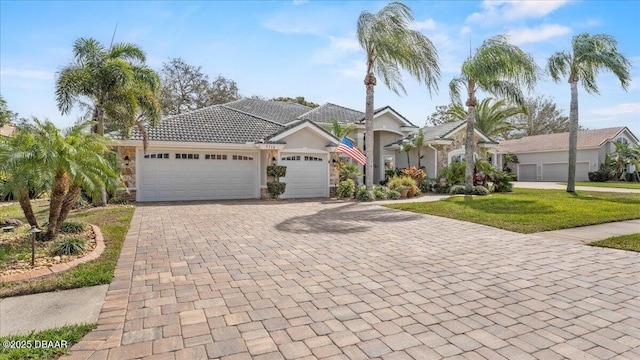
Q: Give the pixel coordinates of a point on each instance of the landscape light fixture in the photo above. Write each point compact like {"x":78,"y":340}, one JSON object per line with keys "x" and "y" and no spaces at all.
{"x":34,"y":230}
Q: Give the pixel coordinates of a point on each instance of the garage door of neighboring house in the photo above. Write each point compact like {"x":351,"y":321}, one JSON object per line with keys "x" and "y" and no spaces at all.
{"x":188,"y":175}
{"x":559,"y":171}
{"x":527,"y":172}
{"x":307,"y":175}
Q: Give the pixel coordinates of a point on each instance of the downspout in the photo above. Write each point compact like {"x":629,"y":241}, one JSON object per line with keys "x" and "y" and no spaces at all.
{"x":435,"y":160}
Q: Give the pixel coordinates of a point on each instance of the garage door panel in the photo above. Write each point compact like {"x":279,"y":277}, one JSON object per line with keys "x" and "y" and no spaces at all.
{"x":559,"y":171}
{"x":175,"y":179}
{"x":527,"y":172}
{"x":306,"y":177}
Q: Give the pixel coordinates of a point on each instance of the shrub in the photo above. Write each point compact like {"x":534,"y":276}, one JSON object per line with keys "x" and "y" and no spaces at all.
{"x":501,"y":180}
{"x":457,"y":189}
{"x":410,"y":183}
{"x":72,"y":227}
{"x":380,"y":192}
{"x":118,"y":201}
{"x":363,"y":194}
{"x":349,"y":171}
{"x":276,"y":171}
{"x":416,"y":174}
{"x":276,"y":188}
{"x":480,"y":190}
{"x":598,"y":176}
{"x":454,"y":173}
{"x":69,"y":246}
{"x":393,"y":195}
{"x":80,"y":202}
{"x":346,"y":189}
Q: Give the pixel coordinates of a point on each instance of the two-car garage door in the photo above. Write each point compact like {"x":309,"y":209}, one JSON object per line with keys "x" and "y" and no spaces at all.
{"x":170,"y":175}
{"x":214,"y":175}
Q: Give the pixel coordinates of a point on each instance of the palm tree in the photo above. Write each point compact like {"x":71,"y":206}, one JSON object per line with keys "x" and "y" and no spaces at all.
{"x":406,"y":147}
{"x":491,"y":119}
{"x":498,"y":68}
{"x":418,"y":142}
{"x":340,"y":130}
{"x":113,"y":84}
{"x":589,"y":54}
{"x":391,"y":46}
{"x":65,"y":162}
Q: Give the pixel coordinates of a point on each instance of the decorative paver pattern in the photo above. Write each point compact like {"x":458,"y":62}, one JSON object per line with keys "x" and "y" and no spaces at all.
{"x":304,"y":280}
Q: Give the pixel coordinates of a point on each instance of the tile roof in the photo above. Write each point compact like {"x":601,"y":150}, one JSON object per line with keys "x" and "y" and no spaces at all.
{"x":214,"y":124}
{"x":559,"y":141}
{"x":378,"y":110}
{"x":328,"y":111}
{"x":278,"y":111}
{"x":297,"y":123}
{"x":438,"y":132}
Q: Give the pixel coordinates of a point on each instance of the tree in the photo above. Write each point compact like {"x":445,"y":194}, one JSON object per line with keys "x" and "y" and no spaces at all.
{"x":542,"y":117}
{"x":106,"y":81}
{"x":6,"y":116}
{"x":185,"y":88}
{"x":418,"y":142}
{"x":298,"y":100}
{"x":491,"y":119}
{"x":589,"y":55}
{"x":65,"y":162}
{"x":441,"y":115}
{"x":498,"y":68}
{"x":391,"y":46}
{"x":406,"y":147}
{"x":340,"y":130}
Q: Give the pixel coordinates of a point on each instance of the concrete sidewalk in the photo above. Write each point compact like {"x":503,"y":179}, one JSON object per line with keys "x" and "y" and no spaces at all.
{"x":587,"y":234}
{"x":554,"y":185}
{"x":23,"y":314}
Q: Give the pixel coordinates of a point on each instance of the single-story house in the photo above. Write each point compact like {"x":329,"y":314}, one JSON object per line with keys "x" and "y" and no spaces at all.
{"x":222,"y":151}
{"x":546,"y":157}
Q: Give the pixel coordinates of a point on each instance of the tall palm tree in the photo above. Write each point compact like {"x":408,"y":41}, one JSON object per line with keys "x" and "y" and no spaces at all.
{"x":490,"y":118}
{"x":108,"y":81}
{"x":391,"y":46}
{"x":498,"y":68}
{"x":589,"y":54}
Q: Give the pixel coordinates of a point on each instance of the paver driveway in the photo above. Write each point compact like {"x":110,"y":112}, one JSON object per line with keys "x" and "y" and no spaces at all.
{"x":271,"y":280}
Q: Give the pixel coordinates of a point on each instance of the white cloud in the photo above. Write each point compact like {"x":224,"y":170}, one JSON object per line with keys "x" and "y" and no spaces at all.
{"x":496,"y":12}
{"x":339,"y":48}
{"x":627,"y":108}
{"x":428,"y":24}
{"x":465,"y":30}
{"x":29,"y":74}
{"x":537,"y":34}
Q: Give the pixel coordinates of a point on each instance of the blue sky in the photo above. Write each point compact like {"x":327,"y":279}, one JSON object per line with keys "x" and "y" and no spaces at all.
{"x":308,"y":48}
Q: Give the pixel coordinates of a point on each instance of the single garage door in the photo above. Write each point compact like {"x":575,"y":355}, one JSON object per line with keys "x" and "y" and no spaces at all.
{"x":184,"y":175}
{"x":307,"y":175}
{"x":527,"y":172}
{"x":558,"y":172}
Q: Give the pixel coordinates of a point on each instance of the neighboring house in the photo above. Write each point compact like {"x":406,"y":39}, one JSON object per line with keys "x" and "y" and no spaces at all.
{"x":7,"y":130}
{"x":222,"y":151}
{"x":545,"y":157}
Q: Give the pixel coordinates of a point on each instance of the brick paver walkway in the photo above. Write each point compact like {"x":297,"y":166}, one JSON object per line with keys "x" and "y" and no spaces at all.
{"x":269,"y":280}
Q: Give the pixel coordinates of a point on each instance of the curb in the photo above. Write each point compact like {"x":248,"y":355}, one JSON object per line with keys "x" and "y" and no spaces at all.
{"x":61,"y":267}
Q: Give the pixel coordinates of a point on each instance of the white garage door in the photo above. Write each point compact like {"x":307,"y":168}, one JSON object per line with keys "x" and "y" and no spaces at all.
{"x":184,"y":175}
{"x":307,"y":175}
{"x":527,"y":172}
{"x":558,"y":172}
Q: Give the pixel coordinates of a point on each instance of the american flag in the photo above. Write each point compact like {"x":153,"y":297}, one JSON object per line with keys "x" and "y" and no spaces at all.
{"x":346,"y":147}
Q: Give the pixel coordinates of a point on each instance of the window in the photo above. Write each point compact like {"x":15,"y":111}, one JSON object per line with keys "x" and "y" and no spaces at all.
{"x":215,"y":157}
{"x":157,"y":156}
{"x":312,"y":158}
{"x":389,"y":162}
{"x":291,"y":158}
{"x":622,"y":140}
{"x":242,"y":157}
{"x":188,"y":156}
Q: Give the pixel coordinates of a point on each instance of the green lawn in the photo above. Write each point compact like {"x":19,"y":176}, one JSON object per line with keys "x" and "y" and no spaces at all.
{"x":113,"y":221}
{"x":47,"y":344}
{"x":624,"y":242}
{"x":532,"y":210}
{"x":609,"y":184}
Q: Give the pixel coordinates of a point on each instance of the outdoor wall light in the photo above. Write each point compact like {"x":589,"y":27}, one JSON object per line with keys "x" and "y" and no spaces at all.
{"x":274,"y":159}
{"x":127,"y":161}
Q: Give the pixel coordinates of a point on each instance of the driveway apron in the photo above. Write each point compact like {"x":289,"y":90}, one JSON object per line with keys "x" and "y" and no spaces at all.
{"x":295,"y":280}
